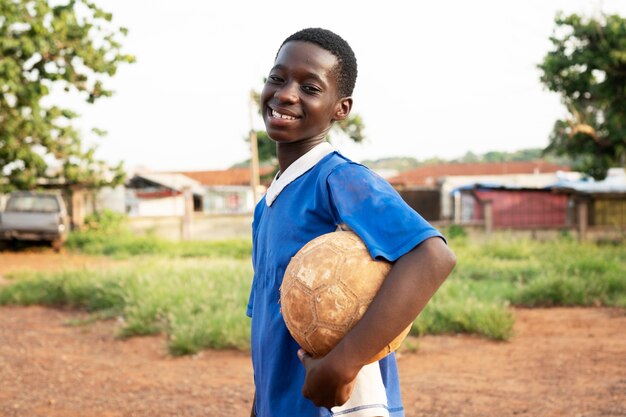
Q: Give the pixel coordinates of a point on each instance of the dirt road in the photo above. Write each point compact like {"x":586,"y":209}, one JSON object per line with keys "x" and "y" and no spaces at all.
{"x":562,"y":362}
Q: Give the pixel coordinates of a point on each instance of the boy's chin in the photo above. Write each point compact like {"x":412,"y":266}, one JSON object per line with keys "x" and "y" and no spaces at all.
{"x":281,"y":137}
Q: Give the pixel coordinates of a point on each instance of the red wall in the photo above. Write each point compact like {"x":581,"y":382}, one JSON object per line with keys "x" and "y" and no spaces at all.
{"x":526,"y":208}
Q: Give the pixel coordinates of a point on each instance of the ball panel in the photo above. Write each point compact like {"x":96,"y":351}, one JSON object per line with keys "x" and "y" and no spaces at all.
{"x":362,"y":274}
{"x":335,"y":306}
{"x":300,"y":314}
{"x":317,"y":267}
{"x":323,"y":340}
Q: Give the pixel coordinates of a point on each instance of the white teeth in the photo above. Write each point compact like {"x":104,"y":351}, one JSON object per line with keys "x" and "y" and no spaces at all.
{"x":281,"y":116}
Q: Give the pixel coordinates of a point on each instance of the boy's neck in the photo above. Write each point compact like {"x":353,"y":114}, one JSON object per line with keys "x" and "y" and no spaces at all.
{"x":288,"y":153}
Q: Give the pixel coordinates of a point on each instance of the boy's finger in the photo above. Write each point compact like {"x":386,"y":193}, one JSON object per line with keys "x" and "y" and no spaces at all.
{"x":302,"y":355}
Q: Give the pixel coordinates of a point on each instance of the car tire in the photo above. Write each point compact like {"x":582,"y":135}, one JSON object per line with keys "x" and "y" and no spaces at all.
{"x":57,"y":245}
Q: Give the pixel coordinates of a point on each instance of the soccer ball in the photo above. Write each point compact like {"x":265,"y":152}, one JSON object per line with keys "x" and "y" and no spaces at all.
{"x":327,"y":287}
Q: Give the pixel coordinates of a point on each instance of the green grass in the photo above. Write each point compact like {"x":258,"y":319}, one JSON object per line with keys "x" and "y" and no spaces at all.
{"x":106,"y":234}
{"x":124,"y":244}
{"x":198,"y":303}
{"x":196,"y":292}
{"x":457,"y":308}
{"x":493,"y":275}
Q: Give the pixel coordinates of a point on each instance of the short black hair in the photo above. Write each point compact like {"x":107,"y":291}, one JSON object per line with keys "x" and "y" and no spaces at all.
{"x":336,"y":45}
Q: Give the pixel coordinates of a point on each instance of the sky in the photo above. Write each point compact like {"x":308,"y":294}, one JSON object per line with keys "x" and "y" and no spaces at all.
{"x":436,"y":78}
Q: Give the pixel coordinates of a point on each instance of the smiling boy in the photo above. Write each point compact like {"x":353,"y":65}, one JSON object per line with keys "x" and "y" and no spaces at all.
{"x":317,"y":189}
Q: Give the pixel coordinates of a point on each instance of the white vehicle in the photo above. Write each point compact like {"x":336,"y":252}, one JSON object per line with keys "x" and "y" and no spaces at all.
{"x":34,"y":216}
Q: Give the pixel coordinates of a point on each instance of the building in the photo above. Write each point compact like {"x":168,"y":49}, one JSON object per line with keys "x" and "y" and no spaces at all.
{"x":228,"y":191}
{"x":590,"y":207}
{"x":161,"y":194}
{"x":437,"y":183}
{"x":507,"y":207}
{"x":212,"y":192}
{"x":602,"y":202}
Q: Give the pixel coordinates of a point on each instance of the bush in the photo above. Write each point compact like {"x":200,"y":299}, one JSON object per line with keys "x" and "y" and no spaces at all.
{"x":106,"y":221}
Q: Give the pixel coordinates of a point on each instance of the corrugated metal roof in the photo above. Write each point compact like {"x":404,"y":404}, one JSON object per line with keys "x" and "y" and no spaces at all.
{"x":427,"y":175}
{"x":234,"y":176}
{"x":173,"y":181}
{"x":615,"y":182}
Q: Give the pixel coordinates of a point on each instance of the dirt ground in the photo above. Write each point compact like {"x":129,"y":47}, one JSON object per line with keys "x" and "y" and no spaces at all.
{"x":561,"y":362}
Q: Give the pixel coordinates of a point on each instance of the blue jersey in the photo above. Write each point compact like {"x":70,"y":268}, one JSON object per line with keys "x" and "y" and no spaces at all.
{"x":333,"y":191}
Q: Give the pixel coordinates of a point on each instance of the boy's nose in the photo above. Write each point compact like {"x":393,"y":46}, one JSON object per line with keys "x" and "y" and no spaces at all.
{"x":287,"y":93}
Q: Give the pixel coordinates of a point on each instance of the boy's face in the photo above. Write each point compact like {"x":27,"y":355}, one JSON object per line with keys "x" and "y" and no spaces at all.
{"x":300,"y":99}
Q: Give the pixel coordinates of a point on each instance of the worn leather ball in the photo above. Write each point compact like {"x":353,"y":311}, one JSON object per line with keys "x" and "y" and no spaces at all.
{"x":327,"y":287}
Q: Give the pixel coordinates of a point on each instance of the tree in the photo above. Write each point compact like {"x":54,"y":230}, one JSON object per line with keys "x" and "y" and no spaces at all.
{"x":587,"y":67}
{"x":352,"y":126}
{"x":70,"y":46}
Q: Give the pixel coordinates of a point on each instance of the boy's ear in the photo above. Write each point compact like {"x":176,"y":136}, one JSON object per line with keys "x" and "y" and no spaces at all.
{"x":343,"y":107}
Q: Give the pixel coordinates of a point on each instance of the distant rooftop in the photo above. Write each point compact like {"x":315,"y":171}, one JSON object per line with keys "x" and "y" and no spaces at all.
{"x":429,"y":174}
{"x":615,"y":182}
{"x":173,"y":181}
{"x":233,"y":176}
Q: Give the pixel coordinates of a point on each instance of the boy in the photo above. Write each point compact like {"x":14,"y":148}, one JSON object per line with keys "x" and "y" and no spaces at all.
{"x":315,"y":191}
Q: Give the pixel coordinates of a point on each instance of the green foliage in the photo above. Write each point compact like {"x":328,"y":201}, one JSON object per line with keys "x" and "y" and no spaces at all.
{"x":45,"y":47}
{"x":80,"y":289}
{"x":266,"y":147}
{"x":587,"y":67}
{"x":531,"y":154}
{"x":574,"y":274}
{"x":106,"y":233}
{"x":498,"y":272}
{"x":457,"y":308}
{"x":106,"y":222}
{"x":551,"y":290}
{"x":198,"y":303}
{"x":352,"y":126}
{"x":124,"y":244}
{"x":455,"y":231}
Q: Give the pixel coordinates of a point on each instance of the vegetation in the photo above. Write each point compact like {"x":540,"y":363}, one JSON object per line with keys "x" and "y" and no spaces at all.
{"x":400,"y":163}
{"x":498,"y":273}
{"x":106,"y":234}
{"x":531,"y":154}
{"x":198,"y":302}
{"x":197,"y":294}
{"x":47,"y":48}
{"x":587,"y":68}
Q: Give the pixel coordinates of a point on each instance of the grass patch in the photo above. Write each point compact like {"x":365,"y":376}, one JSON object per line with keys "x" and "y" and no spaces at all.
{"x":124,"y":244}
{"x":106,"y":234}
{"x":493,"y":275}
{"x":198,"y":303}
{"x":196,"y":292}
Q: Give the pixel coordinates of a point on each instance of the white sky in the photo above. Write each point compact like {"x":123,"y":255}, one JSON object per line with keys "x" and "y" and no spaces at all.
{"x":438,"y":78}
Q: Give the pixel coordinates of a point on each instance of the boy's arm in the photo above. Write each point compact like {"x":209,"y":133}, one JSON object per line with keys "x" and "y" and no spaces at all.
{"x":253,"y":403}
{"x":412,"y":281}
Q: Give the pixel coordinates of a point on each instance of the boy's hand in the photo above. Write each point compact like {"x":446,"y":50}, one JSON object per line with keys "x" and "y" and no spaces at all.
{"x":325,"y":384}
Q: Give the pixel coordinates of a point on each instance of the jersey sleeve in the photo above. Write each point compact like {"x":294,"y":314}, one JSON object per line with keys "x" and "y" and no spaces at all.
{"x":374,"y":210}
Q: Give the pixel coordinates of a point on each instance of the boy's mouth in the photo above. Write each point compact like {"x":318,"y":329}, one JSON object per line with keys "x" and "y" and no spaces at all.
{"x":278,"y":115}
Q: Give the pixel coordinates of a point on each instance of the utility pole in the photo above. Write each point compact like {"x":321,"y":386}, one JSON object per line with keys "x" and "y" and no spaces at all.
{"x":254,"y":151}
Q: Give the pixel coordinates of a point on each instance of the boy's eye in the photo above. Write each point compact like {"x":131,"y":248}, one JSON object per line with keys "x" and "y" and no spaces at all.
{"x":311,"y":89}
{"x":274,"y":79}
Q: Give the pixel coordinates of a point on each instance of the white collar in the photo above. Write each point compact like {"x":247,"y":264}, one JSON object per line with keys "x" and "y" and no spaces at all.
{"x":296,"y":169}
